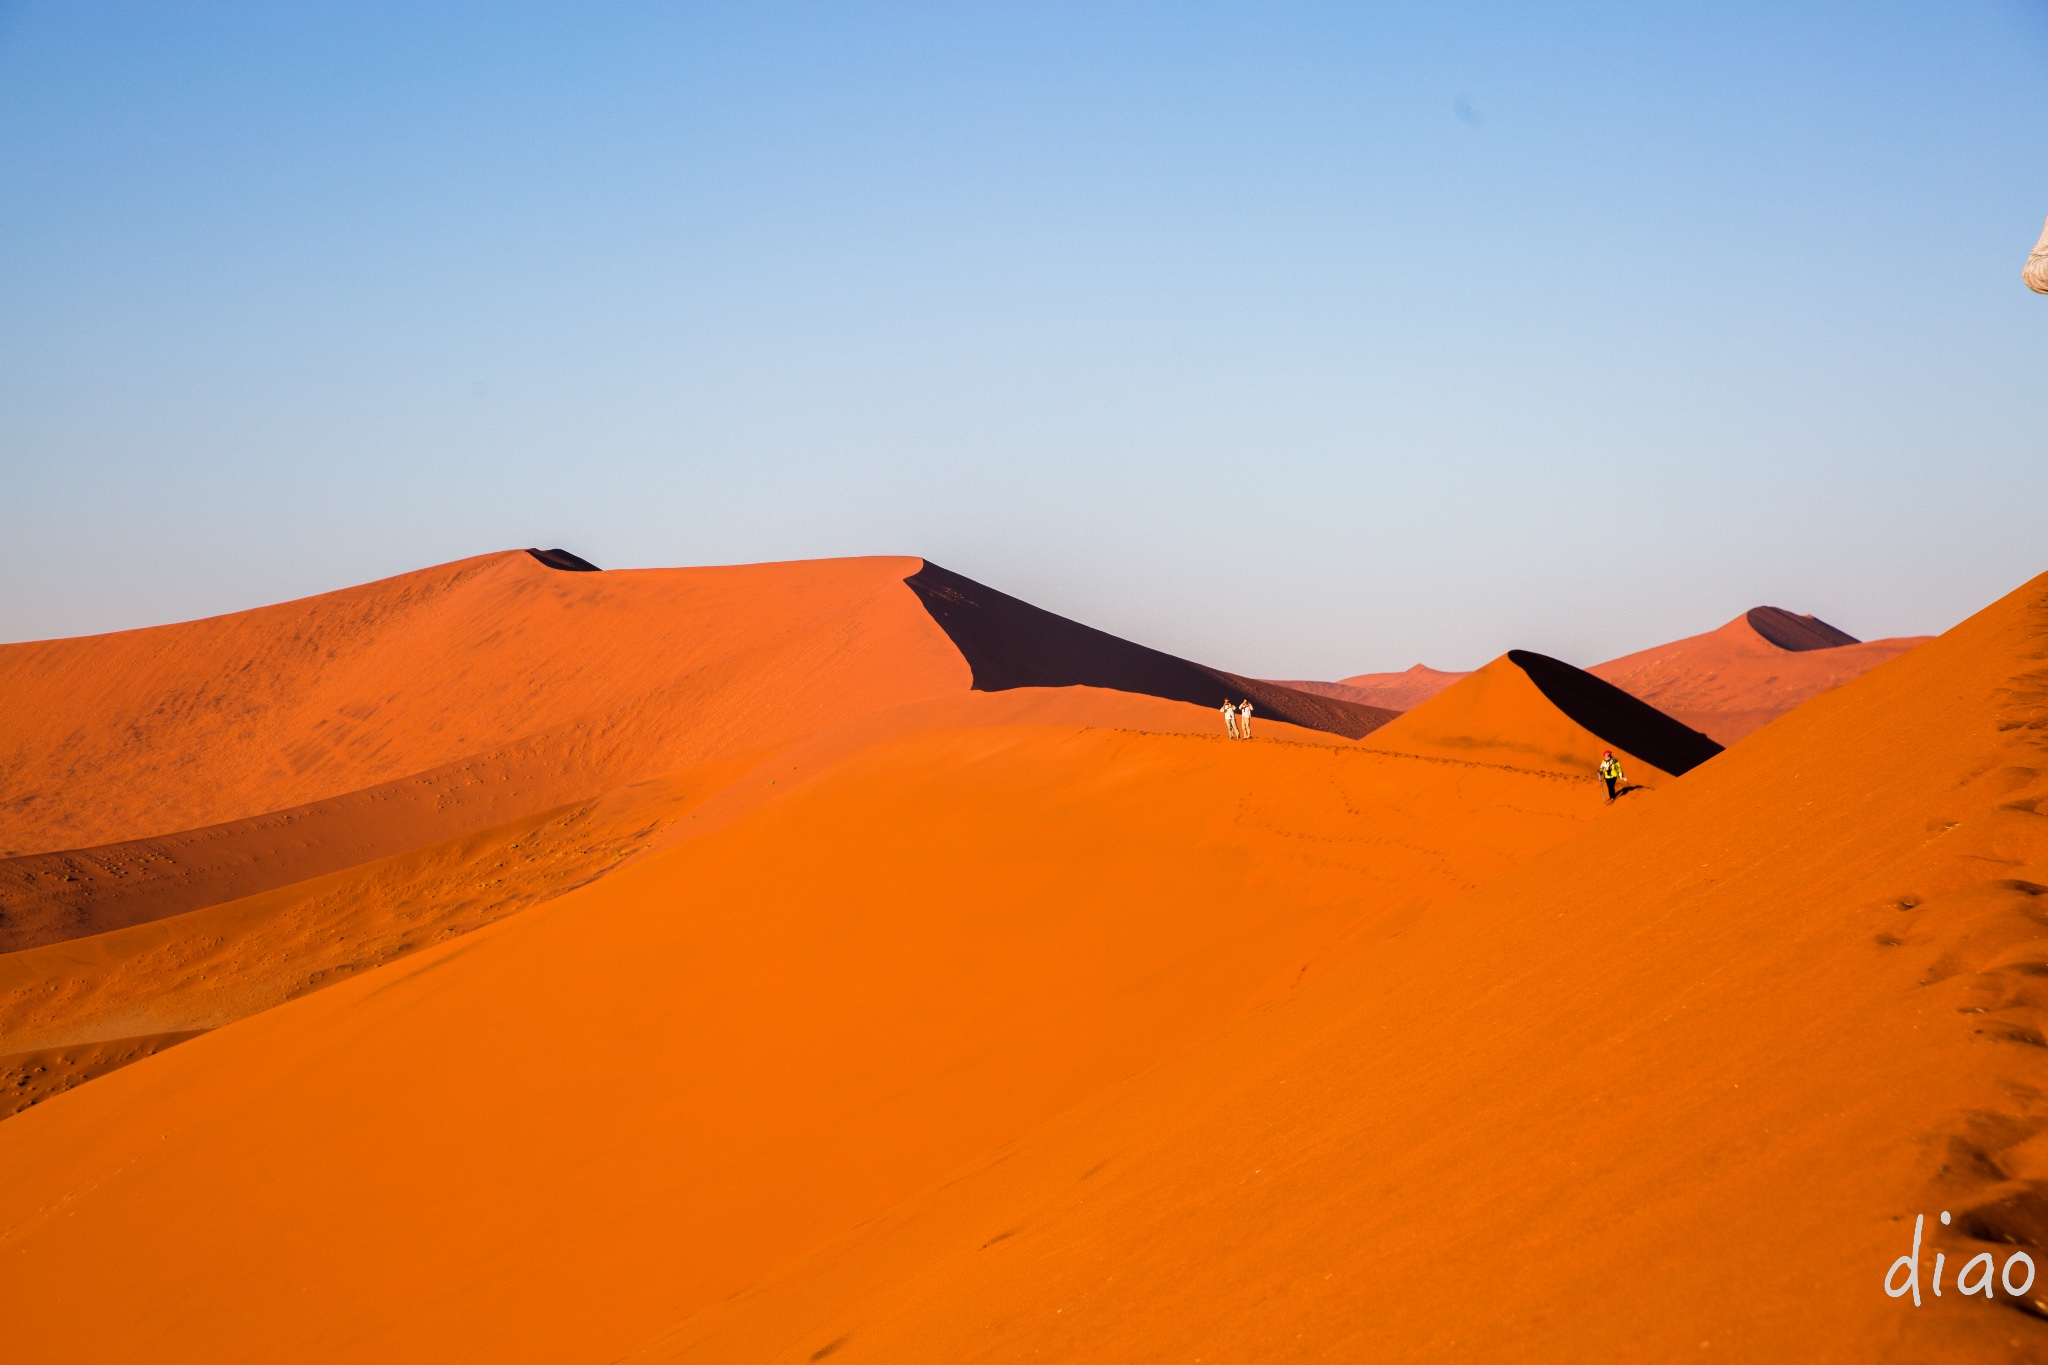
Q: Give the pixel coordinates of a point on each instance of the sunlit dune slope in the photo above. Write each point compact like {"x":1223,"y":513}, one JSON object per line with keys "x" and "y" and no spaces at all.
{"x":73,"y":1009}
{"x":581,"y":684}
{"x":1676,"y":1090}
{"x":1530,"y":711}
{"x":65,"y":1005}
{"x":243,"y":752}
{"x":590,"y":679}
{"x":549,"y":1138}
{"x":1730,"y":682}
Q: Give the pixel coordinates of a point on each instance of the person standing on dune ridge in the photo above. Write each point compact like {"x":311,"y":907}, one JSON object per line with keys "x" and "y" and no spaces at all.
{"x":1610,"y":773}
{"x":1244,"y":718}
{"x":1230,"y":718}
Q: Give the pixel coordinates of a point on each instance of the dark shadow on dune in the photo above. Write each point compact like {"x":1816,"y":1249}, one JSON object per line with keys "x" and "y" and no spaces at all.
{"x":563,"y":560}
{"x":1010,"y":643}
{"x":1797,"y":633}
{"x":1615,"y":716}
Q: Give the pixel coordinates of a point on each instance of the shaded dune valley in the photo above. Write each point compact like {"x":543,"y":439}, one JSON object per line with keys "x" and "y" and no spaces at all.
{"x":519,"y":960}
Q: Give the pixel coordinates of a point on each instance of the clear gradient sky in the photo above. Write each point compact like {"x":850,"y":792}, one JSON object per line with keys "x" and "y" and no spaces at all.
{"x":1300,"y":339}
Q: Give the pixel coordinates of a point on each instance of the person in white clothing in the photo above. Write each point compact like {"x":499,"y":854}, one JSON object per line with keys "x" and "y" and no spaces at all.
{"x":1230,"y":719}
{"x":1244,"y":719}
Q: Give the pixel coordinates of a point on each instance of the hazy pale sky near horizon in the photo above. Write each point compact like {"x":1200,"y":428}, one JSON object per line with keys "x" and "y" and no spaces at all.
{"x":1299,"y":339}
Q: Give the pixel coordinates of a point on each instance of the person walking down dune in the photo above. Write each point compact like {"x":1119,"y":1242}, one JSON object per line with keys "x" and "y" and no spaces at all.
{"x":1244,"y":719}
{"x":1610,"y":773}
{"x":1230,"y":719}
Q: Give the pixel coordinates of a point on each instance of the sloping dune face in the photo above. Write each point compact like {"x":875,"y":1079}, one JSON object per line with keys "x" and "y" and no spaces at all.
{"x":550,"y":1138}
{"x":508,"y":713}
{"x":1685,"y":1088}
{"x":1527,"y":710}
{"x":880,"y":989}
{"x":1616,"y":716}
{"x":74,"y":1006}
{"x":575,"y":680}
{"x":1731,"y":682}
{"x":579,"y":685}
{"x":1011,"y":643}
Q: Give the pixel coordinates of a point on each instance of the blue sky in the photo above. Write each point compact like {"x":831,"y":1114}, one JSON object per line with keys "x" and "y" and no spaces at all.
{"x":1300,"y":339}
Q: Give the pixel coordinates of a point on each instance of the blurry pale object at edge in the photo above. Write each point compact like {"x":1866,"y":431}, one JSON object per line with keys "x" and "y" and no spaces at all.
{"x":2036,"y":272}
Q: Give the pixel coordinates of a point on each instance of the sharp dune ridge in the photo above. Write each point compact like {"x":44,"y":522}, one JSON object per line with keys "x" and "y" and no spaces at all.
{"x":1010,"y":643}
{"x":1615,"y":716}
{"x":1795,"y":633}
{"x":518,"y":960}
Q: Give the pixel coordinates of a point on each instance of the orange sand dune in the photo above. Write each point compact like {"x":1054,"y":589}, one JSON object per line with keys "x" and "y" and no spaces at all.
{"x":600,"y":678}
{"x":562,"y":684}
{"x":582,"y":681}
{"x":548,"y":1138}
{"x":74,"y":1010}
{"x":195,"y":971}
{"x":1501,"y":715}
{"x":1730,"y":682}
{"x":853,"y":1010}
{"x":1393,"y":691}
{"x":1725,"y":684}
{"x":1677,"y":1090}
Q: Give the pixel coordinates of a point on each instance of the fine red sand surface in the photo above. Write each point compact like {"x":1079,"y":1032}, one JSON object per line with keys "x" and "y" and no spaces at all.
{"x":172,"y":976}
{"x":1676,"y":1090}
{"x":218,"y":804}
{"x":548,"y":1138}
{"x":525,"y":697}
{"x":1728,"y":683}
{"x":742,"y":979}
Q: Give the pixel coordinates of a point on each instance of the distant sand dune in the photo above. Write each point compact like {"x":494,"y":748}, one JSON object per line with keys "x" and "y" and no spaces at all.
{"x":1728,"y":683}
{"x":1725,"y":684}
{"x":1392,"y":691}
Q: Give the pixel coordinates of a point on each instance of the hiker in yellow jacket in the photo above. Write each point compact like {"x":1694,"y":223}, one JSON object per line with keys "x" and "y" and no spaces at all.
{"x":1610,"y":773}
